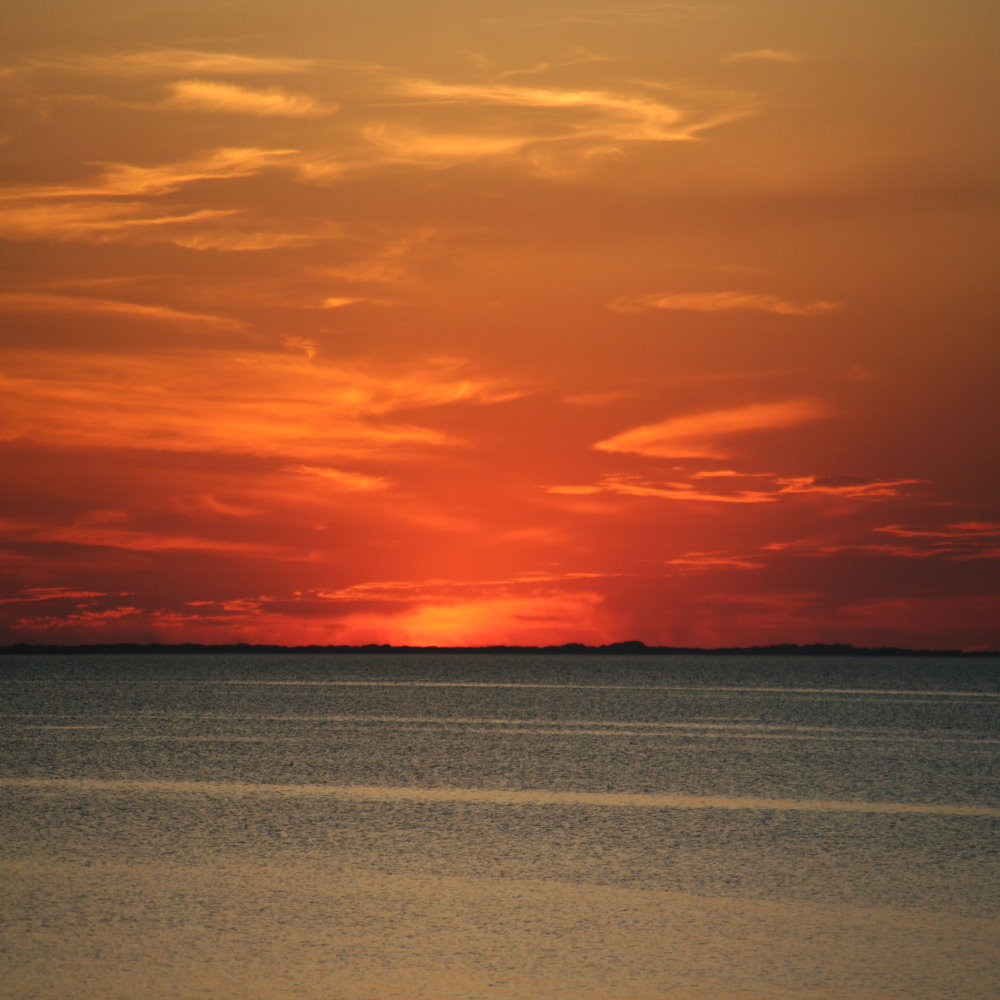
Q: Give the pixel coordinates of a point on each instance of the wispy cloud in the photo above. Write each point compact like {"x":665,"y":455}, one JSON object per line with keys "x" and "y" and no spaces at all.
{"x":624,"y":117}
{"x":809,"y":548}
{"x":720,"y":302}
{"x":410,"y":590}
{"x":43,"y":302}
{"x":357,"y":482}
{"x":227,"y":98}
{"x":208,"y":502}
{"x":766,"y":55}
{"x":97,"y":220}
{"x":54,"y":624}
{"x":963,"y":530}
{"x":702,"y":561}
{"x":696,"y":435}
{"x":774,"y":489}
{"x":246,"y":239}
{"x":92,"y":535}
{"x":636,"y":487}
{"x":129,"y":179}
{"x":149,"y":541}
{"x":555,"y":131}
{"x":729,"y":474}
{"x":107,"y":209}
{"x":101,"y":221}
{"x":281,"y":406}
{"x":34,"y":594}
{"x":409,"y":144}
{"x":580,"y":57}
{"x":961,"y":542}
{"x":160,"y":62}
{"x":338,"y":302}
{"x":854,"y":487}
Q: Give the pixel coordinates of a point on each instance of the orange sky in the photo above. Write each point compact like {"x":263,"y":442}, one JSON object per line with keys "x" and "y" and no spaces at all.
{"x":463,"y":322}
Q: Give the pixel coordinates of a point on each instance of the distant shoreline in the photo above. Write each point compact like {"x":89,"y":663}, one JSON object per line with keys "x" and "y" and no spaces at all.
{"x":629,"y":648}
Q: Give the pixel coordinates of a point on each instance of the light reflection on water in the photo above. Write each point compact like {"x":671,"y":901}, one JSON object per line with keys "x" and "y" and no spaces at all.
{"x":504,"y":828}
{"x":493,"y":796}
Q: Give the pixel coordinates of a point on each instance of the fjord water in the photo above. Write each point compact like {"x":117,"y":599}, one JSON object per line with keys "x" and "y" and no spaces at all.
{"x":447,"y":827}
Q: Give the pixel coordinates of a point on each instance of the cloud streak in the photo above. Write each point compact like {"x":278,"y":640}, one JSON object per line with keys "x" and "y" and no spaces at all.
{"x":100,"y":221}
{"x":33,"y":595}
{"x":270,"y":405}
{"x":43,"y":302}
{"x":702,"y":561}
{"x":622,"y":117}
{"x":764,"y":55}
{"x":164,"y":62}
{"x":696,"y":435}
{"x":853,"y":487}
{"x":227,"y":98}
{"x":729,"y":301}
{"x":411,"y":590}
{"x":91,"y":535}
{"x":548,"y":130}
{"x":354,"y":482}
{"x":633,"y":486}
{"x":129,"y":179}
{"x":117,"y":206}
{"x":965,"y":530}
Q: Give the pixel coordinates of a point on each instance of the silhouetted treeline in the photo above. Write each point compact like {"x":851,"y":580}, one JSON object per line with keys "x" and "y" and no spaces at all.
{"x":632,"y":647}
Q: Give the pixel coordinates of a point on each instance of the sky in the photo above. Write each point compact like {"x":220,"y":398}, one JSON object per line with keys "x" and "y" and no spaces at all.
{"x":463,"y":322}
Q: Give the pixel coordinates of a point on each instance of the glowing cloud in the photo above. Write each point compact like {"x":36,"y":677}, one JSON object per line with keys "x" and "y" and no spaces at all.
{"x":34,"y":594}
{"x":156,"y":62}
{"x":556,"y":132}
{"x":701,"y":561}
{"x":96,"y":220}
{"x":720,"y":302}
{"x":335,"y":302}
{"x":204,"y":95}
{"x":964,"y":530}
{"x":422,"y":591}
{"x":415,"y":145}
{"x":100,"y":221}
{"x":357,"y":482}
{"x":42,"y":302}
{"x":633,"y":486}
{"x":618,"y":117}
{"x":281,"y":406}
{"x":695,"y":436}
{"x":854,"y":487}
{"x":129,"y":179}
{"x":141,"y":541}
{"x":767,"y":55}
{"x":244,"y":240}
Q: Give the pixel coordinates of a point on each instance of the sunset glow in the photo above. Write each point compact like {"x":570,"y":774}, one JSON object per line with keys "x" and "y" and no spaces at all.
{"x":468,"y":323}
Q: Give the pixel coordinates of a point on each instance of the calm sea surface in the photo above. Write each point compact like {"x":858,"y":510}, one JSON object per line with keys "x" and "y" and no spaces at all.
{"x":451,"y":827}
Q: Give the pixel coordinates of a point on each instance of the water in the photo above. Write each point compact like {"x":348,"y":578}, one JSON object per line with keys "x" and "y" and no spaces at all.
{"x":519,"y":828}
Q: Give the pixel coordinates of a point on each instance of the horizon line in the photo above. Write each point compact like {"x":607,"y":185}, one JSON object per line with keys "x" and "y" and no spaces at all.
{"x":627,"y":647}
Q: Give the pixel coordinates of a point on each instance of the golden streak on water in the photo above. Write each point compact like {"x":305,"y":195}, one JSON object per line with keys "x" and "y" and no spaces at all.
{"x":499,"y":796}
{"x":681,"y":688}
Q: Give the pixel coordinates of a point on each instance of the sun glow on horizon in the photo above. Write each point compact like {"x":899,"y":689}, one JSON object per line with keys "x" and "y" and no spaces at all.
{"x":411,"y":325}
